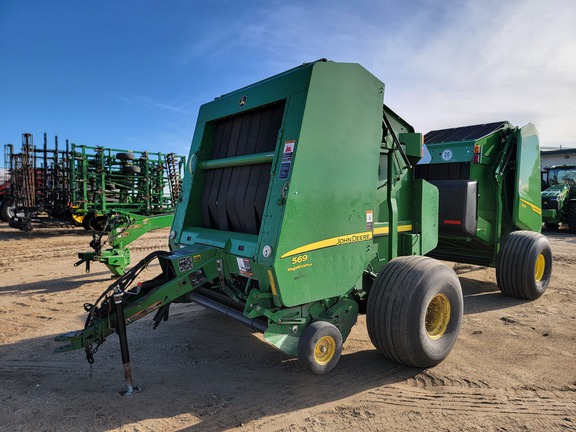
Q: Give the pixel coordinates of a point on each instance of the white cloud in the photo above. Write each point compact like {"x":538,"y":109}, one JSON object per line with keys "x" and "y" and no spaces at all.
{"x":444,"y":64}
{"x":149,"y":102}
{"x":511,"y":62}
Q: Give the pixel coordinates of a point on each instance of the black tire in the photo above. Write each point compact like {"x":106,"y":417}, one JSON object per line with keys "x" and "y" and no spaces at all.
{"x":7,"y":210}
{"x":320,"y":347}
{"x":524,"y":265}
{"x":552,"y":226}
{"x":130,"y":169}
{"x":98,"y":223}
{"x":125,"y":156}
{"x":27,"y":225}
{"x":572,"y":217}
{"x":414,"y":311}
{"x":86,"y":220}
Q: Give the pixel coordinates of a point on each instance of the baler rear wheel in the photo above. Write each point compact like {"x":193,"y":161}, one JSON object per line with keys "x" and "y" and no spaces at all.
{"x":524,"y":265}
{"x":572,"y":217}
{"x":320,"y":347}
{"x":415,"y":311}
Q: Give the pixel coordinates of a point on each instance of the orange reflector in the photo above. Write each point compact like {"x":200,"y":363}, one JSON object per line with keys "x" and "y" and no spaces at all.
{"x":477,"y":149}
{"x":452,"y":222}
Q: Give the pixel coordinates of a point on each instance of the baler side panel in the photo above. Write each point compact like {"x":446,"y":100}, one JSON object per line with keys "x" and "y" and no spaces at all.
{"x":324,"y":244}
{"x":527,"y":199}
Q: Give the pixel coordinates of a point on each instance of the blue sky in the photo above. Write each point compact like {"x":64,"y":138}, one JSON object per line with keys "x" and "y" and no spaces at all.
{"x":132,"y":74}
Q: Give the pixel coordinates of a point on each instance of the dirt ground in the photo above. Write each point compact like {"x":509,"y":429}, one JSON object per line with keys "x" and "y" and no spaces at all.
{"x":513,"y":367}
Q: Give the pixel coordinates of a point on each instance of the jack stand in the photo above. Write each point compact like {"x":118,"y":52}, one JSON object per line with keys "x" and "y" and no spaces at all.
{"x":121,"y":330}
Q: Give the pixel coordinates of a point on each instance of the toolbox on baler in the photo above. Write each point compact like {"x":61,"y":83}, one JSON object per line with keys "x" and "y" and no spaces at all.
{"x":299,"y":210}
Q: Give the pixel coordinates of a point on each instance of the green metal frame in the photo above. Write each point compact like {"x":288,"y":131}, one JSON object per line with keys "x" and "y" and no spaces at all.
{"x":122,"y":228}
{"x":103,"y":183}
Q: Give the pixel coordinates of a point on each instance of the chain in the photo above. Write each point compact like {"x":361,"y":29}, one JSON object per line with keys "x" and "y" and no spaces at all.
{"x":90,"y":356}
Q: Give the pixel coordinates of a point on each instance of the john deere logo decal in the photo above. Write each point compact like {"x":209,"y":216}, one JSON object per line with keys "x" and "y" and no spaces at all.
{"x":242,"y":102}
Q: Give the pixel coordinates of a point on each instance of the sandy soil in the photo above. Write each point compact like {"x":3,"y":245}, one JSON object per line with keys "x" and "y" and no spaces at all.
{"x":513,"y":368}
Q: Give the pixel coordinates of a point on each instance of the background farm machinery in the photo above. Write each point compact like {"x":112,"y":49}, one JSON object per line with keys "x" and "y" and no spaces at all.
{"x":488,"y":178}
{"x":39,"y":184}
{"x":106,"y":179}
{"x":83,"y":184}
{"x":559,"y":197}
{"x":119,"y":194}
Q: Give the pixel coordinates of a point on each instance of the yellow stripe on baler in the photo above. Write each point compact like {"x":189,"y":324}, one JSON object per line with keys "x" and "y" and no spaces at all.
{"x":534,"y":208}
{"x":345,"y":239}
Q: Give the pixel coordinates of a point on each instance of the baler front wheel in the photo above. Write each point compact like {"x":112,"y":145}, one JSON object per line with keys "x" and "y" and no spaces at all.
{"x":415,"y":311}
{"x":524,"y":265}
{"x":320,"y":347}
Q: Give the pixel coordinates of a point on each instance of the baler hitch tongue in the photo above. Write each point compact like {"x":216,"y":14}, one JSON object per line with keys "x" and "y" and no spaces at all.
{"x":74,"y":338}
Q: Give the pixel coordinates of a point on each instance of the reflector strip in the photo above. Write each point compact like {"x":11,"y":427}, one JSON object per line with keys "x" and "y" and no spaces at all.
{"x":385,"y":230}
{"x":452,"y":222}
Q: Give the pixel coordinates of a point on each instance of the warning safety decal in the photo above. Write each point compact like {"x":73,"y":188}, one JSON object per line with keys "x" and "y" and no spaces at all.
{"x":286,"y":163}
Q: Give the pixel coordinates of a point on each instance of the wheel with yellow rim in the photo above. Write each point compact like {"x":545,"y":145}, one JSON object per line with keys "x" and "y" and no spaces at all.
{"x":524,"y":265}
{"x":320,"y":347}
{"x":414,"y":311}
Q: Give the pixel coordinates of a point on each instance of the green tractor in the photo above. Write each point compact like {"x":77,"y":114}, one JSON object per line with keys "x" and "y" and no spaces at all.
{"x":559,"y":197}
{"x":300,"y":210}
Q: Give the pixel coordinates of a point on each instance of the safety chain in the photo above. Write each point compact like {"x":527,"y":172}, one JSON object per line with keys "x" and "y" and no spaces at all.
{"x":90,"y":356}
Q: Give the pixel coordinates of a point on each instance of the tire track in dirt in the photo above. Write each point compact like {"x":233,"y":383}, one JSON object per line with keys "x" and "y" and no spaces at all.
{"x":17,"y":367}
{"x":297,"y":390}
{"x":490,"y":401}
